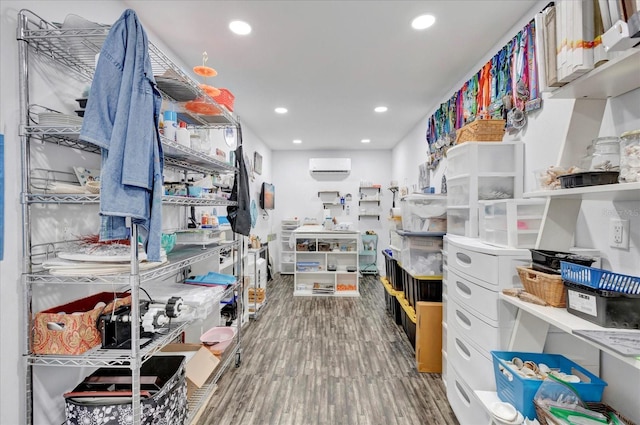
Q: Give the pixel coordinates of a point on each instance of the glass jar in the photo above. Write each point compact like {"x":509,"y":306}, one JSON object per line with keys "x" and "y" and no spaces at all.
{"x":630,"y":157}
{"x":606,"y":154}
{"x":585,"y":161}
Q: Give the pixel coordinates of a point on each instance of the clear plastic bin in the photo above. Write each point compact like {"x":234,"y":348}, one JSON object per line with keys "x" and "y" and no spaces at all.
{"x":513,"y":223}
{"x":424,"y":213}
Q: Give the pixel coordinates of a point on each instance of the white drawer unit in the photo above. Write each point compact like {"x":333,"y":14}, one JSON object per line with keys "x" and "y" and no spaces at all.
{"x":486,"y":336}
{"x":463,"y":401}
{"x":477,"y":321}
{"x":511,"y":223}
{"x":494,"y":267}
{"x":480,"y":171}
{"x":470,"y":362}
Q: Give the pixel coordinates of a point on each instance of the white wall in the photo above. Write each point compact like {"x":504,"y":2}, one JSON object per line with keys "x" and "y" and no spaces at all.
{"x":545,"y":131}
{"x":297,"y":190}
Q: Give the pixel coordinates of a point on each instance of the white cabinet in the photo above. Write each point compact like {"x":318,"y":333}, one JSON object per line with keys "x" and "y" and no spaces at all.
{"x":287,"y":254}
{"x":480,"y":171}
{"x":476,"y":320}
{"x":326,"y":262}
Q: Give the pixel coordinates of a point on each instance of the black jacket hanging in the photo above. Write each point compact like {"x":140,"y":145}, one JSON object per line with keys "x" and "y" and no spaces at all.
{"x":240,"y":215}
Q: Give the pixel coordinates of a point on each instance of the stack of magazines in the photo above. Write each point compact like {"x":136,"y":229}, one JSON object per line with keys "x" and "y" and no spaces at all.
{"x":323,"y":288}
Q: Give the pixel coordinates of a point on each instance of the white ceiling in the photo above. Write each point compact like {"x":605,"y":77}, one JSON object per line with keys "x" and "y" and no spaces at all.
{"x":331,"y":62}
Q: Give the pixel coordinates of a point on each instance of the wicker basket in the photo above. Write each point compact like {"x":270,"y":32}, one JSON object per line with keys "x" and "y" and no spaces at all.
{"x":545,"y":417}
{"x":546,"y":286}
{"x":481,"y":131}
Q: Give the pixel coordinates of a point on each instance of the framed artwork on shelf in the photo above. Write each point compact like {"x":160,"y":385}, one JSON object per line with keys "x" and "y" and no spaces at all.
{"x":424,"y":180}
{"x":257,"y":163}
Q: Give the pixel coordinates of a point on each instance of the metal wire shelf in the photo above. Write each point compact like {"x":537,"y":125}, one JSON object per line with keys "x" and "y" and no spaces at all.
{"x":178,"y":259}
{"x":61,"y":198}
{"x":75,"y":49}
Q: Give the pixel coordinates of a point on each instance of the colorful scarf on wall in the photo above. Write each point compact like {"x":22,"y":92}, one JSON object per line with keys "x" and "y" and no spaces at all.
{"x":507,"y":82}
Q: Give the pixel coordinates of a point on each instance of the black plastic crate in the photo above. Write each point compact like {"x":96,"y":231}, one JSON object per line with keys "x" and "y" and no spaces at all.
{"x":393,"y":308}
{"x":388,"y":265}
{"x":608,"y":309}
{"x":409,"y":328}
{"x":427,"y":290}
{"x":407,"y":285}
{"x":588,"y":178}
{"x":549,"y":261}
{"x":396,"y":279}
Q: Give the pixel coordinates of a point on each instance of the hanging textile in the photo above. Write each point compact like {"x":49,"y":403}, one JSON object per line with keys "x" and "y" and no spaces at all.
{"x":239,"y":216}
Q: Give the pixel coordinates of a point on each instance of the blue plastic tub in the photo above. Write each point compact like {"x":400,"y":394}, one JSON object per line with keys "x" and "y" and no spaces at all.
{"x":520,"y":392}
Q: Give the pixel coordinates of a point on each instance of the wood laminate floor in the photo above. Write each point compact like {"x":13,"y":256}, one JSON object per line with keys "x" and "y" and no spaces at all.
{"x":321,"y":360}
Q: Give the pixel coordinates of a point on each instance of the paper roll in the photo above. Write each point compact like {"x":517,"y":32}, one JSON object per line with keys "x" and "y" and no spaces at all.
{"x":395,"y":212}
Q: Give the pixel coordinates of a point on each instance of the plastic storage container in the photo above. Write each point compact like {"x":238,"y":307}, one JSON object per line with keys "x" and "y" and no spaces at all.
{"x":600,"y":279}
{"x":588,"y":178}
{"x":630,"y":157}
{"x":511,"y":223}
{"x":608,"y":309}
{"x":606,"y":154}
{"x":422,"y":255}
{"x":518,"y":391}
{"x":549,"y":261}
{"x":424,"y":213}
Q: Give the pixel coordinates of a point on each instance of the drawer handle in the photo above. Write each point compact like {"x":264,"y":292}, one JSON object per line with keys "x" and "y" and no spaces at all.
{"x":465,"y":351}
{"x":464,"y":288}
{"x":463,"y":257}
{"x":462,"y":394}
{"x":464,"y":319}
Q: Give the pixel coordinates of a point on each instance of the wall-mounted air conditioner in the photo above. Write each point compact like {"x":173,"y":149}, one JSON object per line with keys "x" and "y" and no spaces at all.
{"x":330,"y":165}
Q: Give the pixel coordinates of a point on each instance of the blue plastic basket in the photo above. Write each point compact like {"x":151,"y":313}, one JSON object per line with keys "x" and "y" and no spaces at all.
{"x":520,"y":392}
{"x":600,"y":279}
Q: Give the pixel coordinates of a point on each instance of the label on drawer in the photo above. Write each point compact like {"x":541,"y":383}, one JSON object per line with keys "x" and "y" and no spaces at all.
{"x":583,"y":302}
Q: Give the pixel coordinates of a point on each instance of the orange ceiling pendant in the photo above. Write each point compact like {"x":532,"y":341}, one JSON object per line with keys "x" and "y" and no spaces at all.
{"x":210,"y":90}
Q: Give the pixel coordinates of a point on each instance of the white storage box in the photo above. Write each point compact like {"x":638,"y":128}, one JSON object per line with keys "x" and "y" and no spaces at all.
{"x":477,"y":158}
{"x":511,"y":223}
{"x":422,"y":255}
{"x":424,"y":213}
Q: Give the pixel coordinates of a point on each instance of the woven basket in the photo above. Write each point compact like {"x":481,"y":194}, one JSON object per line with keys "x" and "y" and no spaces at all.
{"x":481,"y":131}
{"x":548,"y":287}
{"x":545,"y":417}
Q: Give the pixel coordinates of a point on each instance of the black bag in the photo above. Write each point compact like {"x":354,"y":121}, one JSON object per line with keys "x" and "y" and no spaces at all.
{"x":240,"y":216}
{"x":105,"y":396}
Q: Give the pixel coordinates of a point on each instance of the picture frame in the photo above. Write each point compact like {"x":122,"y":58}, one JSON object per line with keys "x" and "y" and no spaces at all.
{"x":257,"y":163}
{"x":424,"y":179}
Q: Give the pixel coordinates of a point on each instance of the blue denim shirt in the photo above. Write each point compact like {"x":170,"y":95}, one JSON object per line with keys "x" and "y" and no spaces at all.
{"x":121,"y":117}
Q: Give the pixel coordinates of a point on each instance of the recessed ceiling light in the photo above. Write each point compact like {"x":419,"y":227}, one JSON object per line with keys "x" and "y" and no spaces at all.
{"x":280,"y":110}
{"x":381,"y":109}
{"x":297,"y":141}
{"x":423,"y":22}
{"x":365,"y":140}
{"x":240,"y":27}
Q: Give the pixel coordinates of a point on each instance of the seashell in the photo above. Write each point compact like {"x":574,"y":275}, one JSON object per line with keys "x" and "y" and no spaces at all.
{"x":517,"y":362}
{"x":531,"y":365}
{"x":527,"y":371}
{"x":572,"y":379}
{"x":543,"y":368}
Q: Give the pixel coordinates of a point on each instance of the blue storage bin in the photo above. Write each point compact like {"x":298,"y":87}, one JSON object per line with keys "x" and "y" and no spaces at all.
{"x":600,"y":279}
{"x":520,"y":392}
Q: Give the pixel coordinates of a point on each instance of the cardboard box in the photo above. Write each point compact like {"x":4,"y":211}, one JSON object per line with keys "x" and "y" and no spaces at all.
{"x":200,"y":363}
{"x":429,"y":336}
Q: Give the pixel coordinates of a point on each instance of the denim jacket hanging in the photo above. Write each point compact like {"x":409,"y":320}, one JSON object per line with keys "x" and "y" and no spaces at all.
{"x":121,"y":117}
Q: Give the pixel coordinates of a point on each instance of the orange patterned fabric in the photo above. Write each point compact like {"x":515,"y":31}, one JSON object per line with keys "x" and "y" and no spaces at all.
{"x":79,"y":332}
